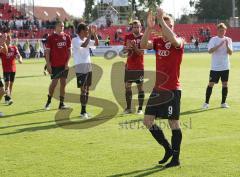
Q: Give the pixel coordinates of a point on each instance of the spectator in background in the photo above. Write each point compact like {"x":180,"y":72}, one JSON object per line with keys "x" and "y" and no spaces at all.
{"x":26,"y":48}
{"x":107,"y":41}
{"x":196,"y":44}
{"x":37,"y":49}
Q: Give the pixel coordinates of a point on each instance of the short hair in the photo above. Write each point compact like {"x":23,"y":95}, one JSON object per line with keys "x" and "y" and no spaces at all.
{"x":167,"y":18}
{"x":58,"y":23}
{"x":81,"y":27}
{"x":221,"y":25}
{"x":136,"y":22}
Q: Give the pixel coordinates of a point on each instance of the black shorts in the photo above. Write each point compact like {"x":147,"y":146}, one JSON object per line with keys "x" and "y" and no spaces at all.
{"x":59,"y":72}
{"x":84,"y":79}
{"x":9,"y":76}
{"x":216,"y":75}
{"x":164,"y":104}
{"x":136,"y":76}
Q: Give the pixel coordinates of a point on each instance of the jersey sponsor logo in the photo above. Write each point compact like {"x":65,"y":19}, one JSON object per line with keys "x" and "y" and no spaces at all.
{"x":10,"y":54}
{"x":163,"y":53}
{"x":61,"y":44}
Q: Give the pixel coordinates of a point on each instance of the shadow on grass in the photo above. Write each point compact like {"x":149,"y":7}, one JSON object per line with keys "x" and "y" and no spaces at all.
{"x":30,"y":76}
{"x":26,"y":113}
{"x":64,"y":122}
{"x":144,"y":172}
{"x":196,"y":111}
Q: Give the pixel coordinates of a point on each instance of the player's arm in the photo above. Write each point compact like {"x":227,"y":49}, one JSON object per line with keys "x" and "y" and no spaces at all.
{"x":47,"y":58}
{"x":145,"y":43}
{"x":213,"y":49}
{"x":94,"y":34}
{"x":229,"y":48}
{"x":19,"y":57}
{"x":167,"y":32}
{"x":85,"y":44}
{"x":69,"y":52}
{"x":136,"y":49}
{"x":3,"y":46}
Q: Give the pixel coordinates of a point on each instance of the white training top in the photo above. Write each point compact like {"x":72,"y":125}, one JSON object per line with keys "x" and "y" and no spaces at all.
{"x":81,"y":55}
{"x":220,"y":58}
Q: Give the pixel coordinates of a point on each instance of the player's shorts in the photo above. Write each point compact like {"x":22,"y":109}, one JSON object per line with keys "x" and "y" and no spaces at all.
{"x":59,"y":72}
{"x":1,"y":83}
{"x":216,"y":75}
{"x":9,"y":76}
{"x":164,"y":104}
{"x":136,"y":76}
{"x":84,"y":79}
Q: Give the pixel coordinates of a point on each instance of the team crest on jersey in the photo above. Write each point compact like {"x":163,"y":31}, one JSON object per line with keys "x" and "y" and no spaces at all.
{"x":64,"y":38}
{"x":168,"y":45}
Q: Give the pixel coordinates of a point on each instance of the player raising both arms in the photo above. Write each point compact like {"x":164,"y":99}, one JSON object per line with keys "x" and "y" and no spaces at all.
{"x":57,"y":55}
{"x":134,"y":68}
{"x":164,"y":101}
{"x":9,"y":68}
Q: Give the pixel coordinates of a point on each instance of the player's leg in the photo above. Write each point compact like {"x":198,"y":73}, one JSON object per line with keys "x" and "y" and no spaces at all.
{"x":128,"y":97}
{"x":84,"y":81}
{"x":2,"y":92}
{"x":12,"y":78}
{"x":6,"y":76}
{"x":84,"y":99}
{"x":176,"y":142}
{"x":63,"y":74}
{"x":141,"y":96}
{"x":153,"y":110}
{"x":224,"y":79}
{"x":45,"y":70}
{"x":213,"y":78}
{"x":51,"y":89}
{"x":159,"y":136}
{"x":62,"y":93}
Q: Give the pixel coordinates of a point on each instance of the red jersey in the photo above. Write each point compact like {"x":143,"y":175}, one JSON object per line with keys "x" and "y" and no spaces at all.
{"x":8,"y":60}
{"x":59,"y":45}
{"x":168,"y":61}
{"x":134,"y":61}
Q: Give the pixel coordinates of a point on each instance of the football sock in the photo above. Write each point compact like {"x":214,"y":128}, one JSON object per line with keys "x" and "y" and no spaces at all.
{"x":158,"y":134}
{"x":208,"y":94}
{"x":224,"y":94}
{"x":49,"y":99}
{"x":128,"y":95}
{"x":61,"y":99}
{"x":141,"y":96}
{"x":176,"y":143}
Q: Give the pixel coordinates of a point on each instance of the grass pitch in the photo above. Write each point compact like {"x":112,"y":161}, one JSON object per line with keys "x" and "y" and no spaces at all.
{"x":36,"y":143}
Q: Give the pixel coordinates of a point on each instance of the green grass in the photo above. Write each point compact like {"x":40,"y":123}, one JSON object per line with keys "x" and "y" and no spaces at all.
{"x":34,"y":144}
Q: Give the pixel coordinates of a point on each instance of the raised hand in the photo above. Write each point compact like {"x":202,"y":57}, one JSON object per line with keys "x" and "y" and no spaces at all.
{"x":3,"y":38}
{"x":93,"y":29}
{"x":150,"y":20}
{"x":160,"y":13}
